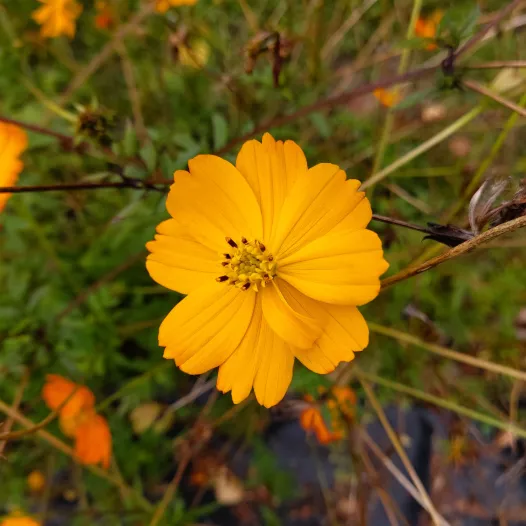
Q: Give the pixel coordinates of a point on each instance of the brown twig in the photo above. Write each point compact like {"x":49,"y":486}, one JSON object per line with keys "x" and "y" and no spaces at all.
{"x":134,"y":95}
{"x":479,"y":88}
{"x":67,"y":450}
{"x":107,"y":51}
{"x":463,"y":248}
{"x":498,"y":64}
{"x":66,"y":140}
{"x":16,"y":404}
{"x":136,"y":184}
{"x":43,"y":423}
{"x":475,"y":39}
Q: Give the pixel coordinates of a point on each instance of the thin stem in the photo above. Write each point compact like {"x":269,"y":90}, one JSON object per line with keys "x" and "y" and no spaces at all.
{"x":396,"y":473}
{"x":485,"y":164}
{"x":475,"y":39}
{"x":498,"y":64}
{"x":64,"y":139}
{"x":4,"y":437}
{"x":444,"y":403}
{"x":64,"y":448}
{"x":398,"y":222}
{"x":424,"y":147}
{"x":454,"y":252}
{"x":136,"y":184}
{"x":448,"y":353}
{"x":402,"y":68}
{"x":479,"y":88}
{"x":399,"y":449}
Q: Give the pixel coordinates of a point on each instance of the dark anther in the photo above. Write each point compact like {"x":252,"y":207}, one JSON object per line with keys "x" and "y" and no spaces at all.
{"x":271,"y":258}
{"x":244,"y":240}
{"x":262,"y":247}
{"x":225,"y":263}
{"x":227,"y":256}
{"x":246,"y":286}
{"x":220,"y":279}
{"x":266,"y":276}
{"x":231,"y":242}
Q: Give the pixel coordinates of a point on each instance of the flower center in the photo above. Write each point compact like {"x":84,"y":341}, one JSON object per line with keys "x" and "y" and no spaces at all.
{"x":248,"y":264}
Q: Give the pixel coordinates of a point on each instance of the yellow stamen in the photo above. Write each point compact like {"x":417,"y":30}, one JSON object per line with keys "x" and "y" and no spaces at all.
{"x":248,"y":265}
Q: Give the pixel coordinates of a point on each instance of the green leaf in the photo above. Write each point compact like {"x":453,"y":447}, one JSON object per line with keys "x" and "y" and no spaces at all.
{"x":220,"y":130}
{"x":149,"y":155}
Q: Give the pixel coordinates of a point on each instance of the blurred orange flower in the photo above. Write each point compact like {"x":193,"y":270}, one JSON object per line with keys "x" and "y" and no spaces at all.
{"x":93,"y":441}
{"x":427,"y":27}
{"x":13,"y":141}
{"x":161,"y":6}
{"x":57,"y":17}
{"x":340,"y":402}
{"x":18,"y":520}
{"x":104,"y":19}
{"x":311,"y":420}
{"x":78,"y":419}
{"x":387,"y":97}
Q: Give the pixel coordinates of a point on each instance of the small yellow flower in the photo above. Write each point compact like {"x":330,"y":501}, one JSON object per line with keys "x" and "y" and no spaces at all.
{"x":275,"y":258}
{"x":13,"y":141}
{"x":57,"y":17}
{"x":161,"y":6}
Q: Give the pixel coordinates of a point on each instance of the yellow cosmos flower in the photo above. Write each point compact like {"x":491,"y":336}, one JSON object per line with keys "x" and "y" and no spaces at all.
{"x":13,"y":141}
{"x":57,"y":17}
{"x":275,"y":258}
{"x":161,"y":6}
{"x":18,"y":520}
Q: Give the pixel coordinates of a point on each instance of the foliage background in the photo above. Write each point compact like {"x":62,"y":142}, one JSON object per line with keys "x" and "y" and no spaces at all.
{"x":75,"y":298}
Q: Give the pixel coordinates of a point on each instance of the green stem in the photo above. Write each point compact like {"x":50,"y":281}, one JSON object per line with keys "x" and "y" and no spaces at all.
{"x":442,"y":402}
{"x":425,"y":146}
{"x":402,"y":68}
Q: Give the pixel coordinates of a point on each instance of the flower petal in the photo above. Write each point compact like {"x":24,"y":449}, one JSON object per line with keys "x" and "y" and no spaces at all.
{"x":289,"y":324}
{"x":358,"y":218}
{"x":271,"y":169}
{"x":214,"y":201}
{"x":205,"y":328}
{"x":341,"y":268}
{"x":238,"y":372}
{"x":181,"y":264}
{"x":345,"y":333}
{"x":314,"y":206}
{"x":58,"y":389}
{"x":93,"y":441}
{"x":274,"y":372}
{"x":262,"y":360}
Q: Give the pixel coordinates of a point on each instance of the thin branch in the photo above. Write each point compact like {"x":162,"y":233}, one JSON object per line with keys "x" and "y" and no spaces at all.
{"x":395,"y":472}
{"x":107,"y":51}
{"x":498,"y":64}
{"x":134,"y":95}
{"x":4,"y":437}
{"x":468,"y":246}
{"x":448,"y":353}
{"x":437,"y":519}
{"x":475,"y":39}
{"x":398,"y":222}
{"x":479,"y":88}
{"x":129,"y":182}
{"x":43,"y":423}
{"x":64,"y":139}
{"x":67,"y":450}
{"x":329,"y":103}
{"x":444,"y":403}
